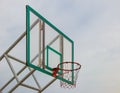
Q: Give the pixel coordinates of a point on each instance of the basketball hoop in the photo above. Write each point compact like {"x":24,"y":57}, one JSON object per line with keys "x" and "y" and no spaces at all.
{"x":70,"y":72}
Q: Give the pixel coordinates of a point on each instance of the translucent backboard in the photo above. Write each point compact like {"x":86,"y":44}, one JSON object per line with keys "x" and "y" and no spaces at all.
{"x":46,"y":45}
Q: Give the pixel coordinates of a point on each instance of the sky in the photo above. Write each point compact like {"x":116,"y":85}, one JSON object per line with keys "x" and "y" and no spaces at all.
{"x":94,"y":25}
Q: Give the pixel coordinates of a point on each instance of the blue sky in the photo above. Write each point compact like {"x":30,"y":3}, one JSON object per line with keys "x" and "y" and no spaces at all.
{"x":94,"y":25}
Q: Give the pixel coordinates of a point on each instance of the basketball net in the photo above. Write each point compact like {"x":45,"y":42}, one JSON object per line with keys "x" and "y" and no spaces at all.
{"x":68,"y":73}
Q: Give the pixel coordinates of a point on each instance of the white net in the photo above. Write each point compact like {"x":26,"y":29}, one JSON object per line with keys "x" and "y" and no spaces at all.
{"x":70,"y":72}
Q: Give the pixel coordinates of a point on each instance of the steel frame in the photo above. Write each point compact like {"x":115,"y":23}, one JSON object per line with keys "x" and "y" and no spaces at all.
{"x":31,"y":71}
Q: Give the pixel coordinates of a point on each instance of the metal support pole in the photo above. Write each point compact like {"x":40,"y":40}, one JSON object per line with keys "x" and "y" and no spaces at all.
{"x":35,"y":79}
{"x":21,"y":81}
{"x":40,"y":43}
{"x":61,"y":47}
{"x":19,"y":39}
{"x":11,"y":67}
{"x":16,"y":59}
{"x":24,"y":77}
{"x":30,"y":87}
{"x":28,"y":68}
{"x":53,"y":40}
{"x":12,"y":78}
{"x":18,"y":73}
{"x":43,"y":31}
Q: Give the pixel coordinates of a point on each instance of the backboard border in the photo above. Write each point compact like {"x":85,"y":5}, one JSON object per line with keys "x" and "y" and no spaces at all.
{"x":28,"y":61}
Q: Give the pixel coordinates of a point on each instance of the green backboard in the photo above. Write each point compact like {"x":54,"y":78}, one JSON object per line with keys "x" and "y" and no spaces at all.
{"x":47,"y":46}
